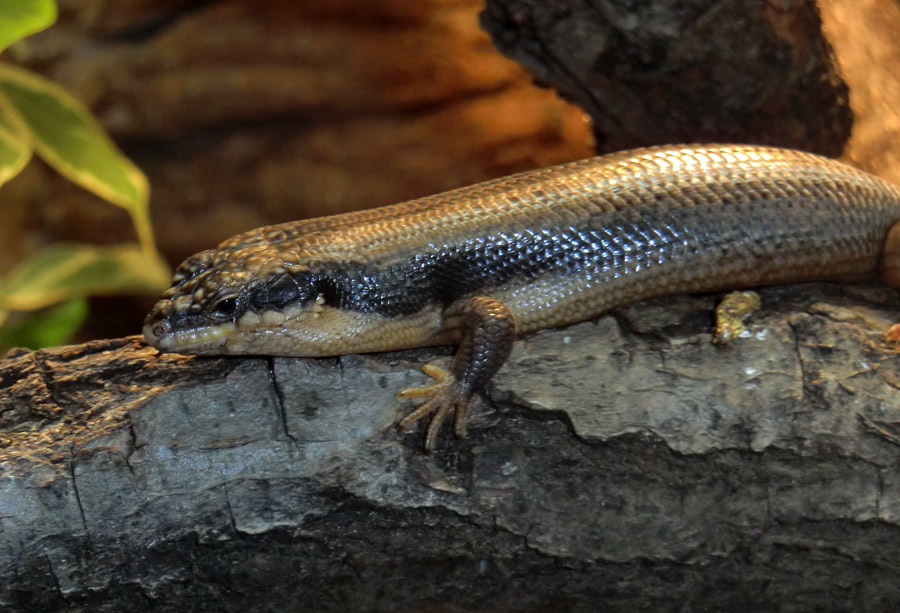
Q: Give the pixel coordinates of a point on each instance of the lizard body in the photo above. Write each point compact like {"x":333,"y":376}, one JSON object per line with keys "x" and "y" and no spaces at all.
{"x":476,"y":266}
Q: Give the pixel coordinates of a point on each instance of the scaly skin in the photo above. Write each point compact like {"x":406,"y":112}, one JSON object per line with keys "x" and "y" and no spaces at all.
{"x":475,"y":266}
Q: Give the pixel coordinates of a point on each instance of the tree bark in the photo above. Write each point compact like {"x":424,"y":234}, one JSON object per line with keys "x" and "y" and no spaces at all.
{"x":674,"y":71}
{"x":625,"y":463}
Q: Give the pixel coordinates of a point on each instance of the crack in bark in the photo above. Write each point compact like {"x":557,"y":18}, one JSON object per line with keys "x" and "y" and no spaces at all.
{"x":230,"y":510}
{"x":132,"y":444}
{"x":279,"y":399}
{"x":56,"y":582}
{"x":800,"y":362}
{"x":71,"y":465}
{"x":875,"y":426}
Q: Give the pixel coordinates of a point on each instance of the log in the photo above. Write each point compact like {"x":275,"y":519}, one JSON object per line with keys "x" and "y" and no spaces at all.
{"x":669,"y":71}
{"x":624,"y":463}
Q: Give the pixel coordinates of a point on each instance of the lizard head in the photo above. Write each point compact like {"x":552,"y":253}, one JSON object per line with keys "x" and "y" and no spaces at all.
{"x":226,"y":301}
{"x":277,"y":300}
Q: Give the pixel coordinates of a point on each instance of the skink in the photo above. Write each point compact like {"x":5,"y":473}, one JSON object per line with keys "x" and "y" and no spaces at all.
{"x":476,"y":266}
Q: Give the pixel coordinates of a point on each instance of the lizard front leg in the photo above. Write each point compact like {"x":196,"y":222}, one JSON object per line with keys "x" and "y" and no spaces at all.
{"x":487,"y":331}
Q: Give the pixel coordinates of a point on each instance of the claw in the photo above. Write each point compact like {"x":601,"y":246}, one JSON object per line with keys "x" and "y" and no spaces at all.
{"x":416,"y":392}
{"x":426,"y":408}
{"x":438,"y":373}
{"x":443,"y":397}
{"x":487,"y":329}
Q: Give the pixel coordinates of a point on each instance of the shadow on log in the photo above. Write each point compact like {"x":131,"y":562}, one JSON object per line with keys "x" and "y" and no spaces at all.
{"x":624,"y":462}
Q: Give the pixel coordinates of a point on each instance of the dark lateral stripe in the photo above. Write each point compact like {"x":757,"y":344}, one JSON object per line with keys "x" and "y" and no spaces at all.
{"x":487,"y":262}
{"x":608,"y":245}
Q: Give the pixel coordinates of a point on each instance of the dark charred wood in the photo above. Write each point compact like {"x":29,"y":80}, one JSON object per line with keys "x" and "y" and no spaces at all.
{"x":674,"y":71}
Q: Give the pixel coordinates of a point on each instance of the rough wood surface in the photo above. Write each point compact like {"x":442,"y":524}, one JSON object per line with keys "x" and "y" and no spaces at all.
{"x":676,"y":71}
{"x":625,"y":462}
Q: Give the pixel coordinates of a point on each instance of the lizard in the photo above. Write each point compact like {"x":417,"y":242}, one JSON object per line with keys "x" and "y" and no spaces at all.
{"x":477,"y":266}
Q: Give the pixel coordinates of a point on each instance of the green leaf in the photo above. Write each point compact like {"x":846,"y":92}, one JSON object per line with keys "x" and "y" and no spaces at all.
{"x":45,"y":328}
{"x":65,"y":271}
{"x":68,"y":138}
{"x":19,"y":18}
{"x":15,"y":142}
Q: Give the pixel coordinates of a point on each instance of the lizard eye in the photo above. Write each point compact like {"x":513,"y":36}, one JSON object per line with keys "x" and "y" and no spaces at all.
{"x":225,"y":308}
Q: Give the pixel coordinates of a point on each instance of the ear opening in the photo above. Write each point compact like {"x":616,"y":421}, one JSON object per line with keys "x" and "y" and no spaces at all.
{"x":284,"y":289}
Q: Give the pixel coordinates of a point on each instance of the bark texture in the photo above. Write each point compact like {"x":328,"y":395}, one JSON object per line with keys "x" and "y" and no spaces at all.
{"x":676,"y":71}
{"x":625,"y":463}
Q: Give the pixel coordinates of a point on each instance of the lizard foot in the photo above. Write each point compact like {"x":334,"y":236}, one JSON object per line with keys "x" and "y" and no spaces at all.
{"x":487,"y":330}
{"x":443,"y":397}
{"x":731,"y":313}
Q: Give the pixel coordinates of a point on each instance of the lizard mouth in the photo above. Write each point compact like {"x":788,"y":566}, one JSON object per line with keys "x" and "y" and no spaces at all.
{"x":205,"y":339}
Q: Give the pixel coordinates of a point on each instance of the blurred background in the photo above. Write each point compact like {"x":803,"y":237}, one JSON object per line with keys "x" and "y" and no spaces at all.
{"x":245,"y":114}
